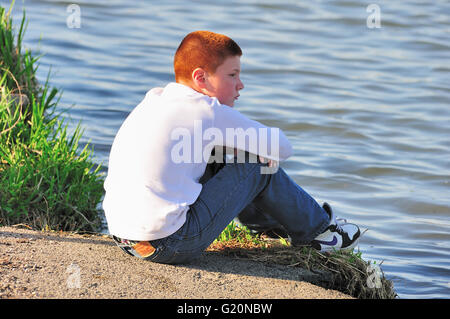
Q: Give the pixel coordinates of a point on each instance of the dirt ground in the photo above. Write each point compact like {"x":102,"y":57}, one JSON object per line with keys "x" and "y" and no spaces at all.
{"x":59,"y":265}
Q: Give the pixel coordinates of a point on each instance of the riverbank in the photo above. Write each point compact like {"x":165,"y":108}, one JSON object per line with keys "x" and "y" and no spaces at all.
{"x":47,"y":265}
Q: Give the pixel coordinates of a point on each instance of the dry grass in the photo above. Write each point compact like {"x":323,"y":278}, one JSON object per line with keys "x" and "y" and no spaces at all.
{"x":344,"y":271}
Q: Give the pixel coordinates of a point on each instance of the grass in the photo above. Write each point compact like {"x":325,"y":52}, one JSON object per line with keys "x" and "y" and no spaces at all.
{"x":46,"y":181}
{"x":345,"y":271}
{"x":235,"y":235}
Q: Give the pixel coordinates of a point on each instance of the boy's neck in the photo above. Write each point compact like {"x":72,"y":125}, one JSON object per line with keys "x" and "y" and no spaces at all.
{"x":190,"y":85}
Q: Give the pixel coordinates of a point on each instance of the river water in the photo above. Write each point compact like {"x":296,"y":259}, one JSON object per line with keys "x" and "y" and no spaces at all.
{"x":361,"y":88}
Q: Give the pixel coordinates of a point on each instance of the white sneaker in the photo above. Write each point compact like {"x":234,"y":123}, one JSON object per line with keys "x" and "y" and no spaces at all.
{"x":339,"y":235}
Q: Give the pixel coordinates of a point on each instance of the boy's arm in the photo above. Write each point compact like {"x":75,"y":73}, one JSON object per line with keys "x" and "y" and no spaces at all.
{"x":252,"y":136}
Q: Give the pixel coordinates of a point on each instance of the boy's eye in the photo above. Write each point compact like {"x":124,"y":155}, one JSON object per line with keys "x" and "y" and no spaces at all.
{"x":233,"y":74}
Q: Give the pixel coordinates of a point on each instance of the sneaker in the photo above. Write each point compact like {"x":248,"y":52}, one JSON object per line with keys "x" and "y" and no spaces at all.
{"x":339,"y":235}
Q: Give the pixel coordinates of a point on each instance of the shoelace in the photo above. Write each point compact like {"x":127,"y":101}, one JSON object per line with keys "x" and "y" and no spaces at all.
{"x":339,"y":223}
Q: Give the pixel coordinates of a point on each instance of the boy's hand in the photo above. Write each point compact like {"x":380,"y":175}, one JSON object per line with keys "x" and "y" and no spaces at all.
{"x":272,"y":163}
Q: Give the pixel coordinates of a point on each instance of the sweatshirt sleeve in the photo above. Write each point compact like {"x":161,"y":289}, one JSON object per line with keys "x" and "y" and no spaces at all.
{"x":239,"y":131}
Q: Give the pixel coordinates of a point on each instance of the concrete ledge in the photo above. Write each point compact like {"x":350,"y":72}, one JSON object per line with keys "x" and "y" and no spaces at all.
{"x":60,"y":265}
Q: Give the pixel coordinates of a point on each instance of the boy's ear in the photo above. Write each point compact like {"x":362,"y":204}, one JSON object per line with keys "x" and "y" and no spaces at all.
{"x":199,"y":77}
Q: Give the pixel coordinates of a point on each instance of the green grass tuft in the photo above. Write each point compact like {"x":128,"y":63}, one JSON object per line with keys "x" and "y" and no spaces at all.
{"x":46,"y":181}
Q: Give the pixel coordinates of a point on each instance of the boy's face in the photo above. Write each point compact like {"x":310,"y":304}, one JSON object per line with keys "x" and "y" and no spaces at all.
{"x":225,"y":83}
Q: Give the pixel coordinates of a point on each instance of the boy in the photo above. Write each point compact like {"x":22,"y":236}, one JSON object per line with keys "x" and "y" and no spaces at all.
{"x":166,"y":204}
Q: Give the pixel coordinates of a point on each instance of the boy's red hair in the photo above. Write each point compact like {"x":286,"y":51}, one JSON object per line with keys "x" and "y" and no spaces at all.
{"x":202,"y":49}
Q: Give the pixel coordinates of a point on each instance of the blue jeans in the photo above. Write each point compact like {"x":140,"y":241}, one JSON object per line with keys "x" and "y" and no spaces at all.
{"x":227,"y":190}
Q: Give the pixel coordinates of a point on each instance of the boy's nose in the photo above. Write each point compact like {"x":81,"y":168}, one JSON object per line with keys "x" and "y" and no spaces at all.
{"x":240,"y":85}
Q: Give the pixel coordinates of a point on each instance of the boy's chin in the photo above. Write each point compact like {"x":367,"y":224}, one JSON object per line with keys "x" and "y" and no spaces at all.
{"x":227,"y":102}
{"x":230,"y":103}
